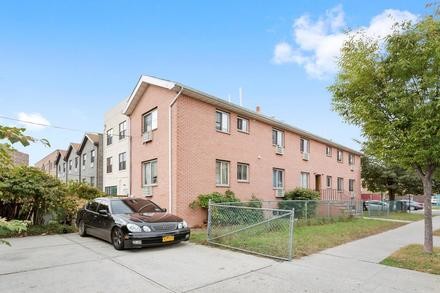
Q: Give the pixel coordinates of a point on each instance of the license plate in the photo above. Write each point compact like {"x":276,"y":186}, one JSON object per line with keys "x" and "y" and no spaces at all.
{"x":168,"y":238}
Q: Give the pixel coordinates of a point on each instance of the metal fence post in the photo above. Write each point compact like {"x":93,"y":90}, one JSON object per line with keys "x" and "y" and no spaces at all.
{"x":305,"y":210}
{"x":209,"y":219}
{"x":328,"y":209}
{"x":291,"y":227}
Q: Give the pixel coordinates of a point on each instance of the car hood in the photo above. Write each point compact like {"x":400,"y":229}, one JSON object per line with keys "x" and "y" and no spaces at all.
{"x":148,"y":217}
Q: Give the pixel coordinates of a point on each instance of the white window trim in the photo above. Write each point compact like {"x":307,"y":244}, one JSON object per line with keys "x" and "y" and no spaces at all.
{"x":307,"y":147}
{"x":228,"y":115}
{"x":282,"y":137}
{"x":282,"y":181}
{"x":229,"y":173}
{"x":351,"y":162}
{"x":154,"y":120}
{"x":247,"y":173}
{"x":247,"y":124}
{"x":307,"y":174}
{"x":349,"y":182}
{"x":337,"y":184}
{"x":151,"y":179}
{"x":331,"y":151}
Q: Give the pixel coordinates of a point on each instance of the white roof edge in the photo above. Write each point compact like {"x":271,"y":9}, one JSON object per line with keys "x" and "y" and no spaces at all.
{"x":132,"y":100}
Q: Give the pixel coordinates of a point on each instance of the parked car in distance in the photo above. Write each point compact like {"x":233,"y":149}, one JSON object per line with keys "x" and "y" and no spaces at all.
{"x":375,"y":205}
{"x":435,"y":201}
{"x":130,"y":223}
{"x":411,"y":204}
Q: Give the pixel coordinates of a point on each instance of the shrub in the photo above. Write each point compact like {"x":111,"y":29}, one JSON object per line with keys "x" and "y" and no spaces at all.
{"x":13,"y":226}
{"x":202,"y":200}
{"x":303,"y":200}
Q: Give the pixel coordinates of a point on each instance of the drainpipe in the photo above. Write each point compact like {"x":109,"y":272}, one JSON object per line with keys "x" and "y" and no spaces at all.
{"x":170,"y":165}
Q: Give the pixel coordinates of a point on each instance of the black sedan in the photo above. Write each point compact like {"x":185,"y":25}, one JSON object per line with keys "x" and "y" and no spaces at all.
{"x":130,"y":223}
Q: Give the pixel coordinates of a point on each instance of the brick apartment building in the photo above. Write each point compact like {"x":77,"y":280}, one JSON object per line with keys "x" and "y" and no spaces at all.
{"x":185,"y":142}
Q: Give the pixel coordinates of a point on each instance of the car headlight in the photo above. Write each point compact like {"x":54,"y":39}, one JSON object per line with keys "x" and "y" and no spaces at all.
{"x":133,"y":228}
{"x":182,"y":225}
{"x":146,"y":229}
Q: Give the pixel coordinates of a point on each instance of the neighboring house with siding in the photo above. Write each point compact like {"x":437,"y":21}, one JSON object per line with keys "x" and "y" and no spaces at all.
{"x":90,"y":154}
{"x":60,"y":164}
{"x":185,"y":142}
{"x":72,"y":161}
{"x":116,"y":151}
{"x":48,"y":163}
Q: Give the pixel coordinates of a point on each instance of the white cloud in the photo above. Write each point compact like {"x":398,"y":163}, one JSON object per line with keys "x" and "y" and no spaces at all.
{"x":316,"y":44}
{"x":37,"y":118}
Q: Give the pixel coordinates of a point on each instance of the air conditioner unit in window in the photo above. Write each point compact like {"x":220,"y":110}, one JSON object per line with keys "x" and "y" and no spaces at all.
{"x":306,"y":156}
{"x":351,"y":167}
{"x":147,"y":136}
{"x":147,"y":190}
{"x":279,"y":192}
{"x":279,"y":150}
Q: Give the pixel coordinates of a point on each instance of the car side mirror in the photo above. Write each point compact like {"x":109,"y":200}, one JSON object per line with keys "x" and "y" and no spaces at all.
{"x":103,"y":212}
{"x":164,"y":210}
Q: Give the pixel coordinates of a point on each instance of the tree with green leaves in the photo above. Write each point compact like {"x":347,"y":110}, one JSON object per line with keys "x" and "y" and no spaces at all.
{"x":391,"y":90}
{"x":395,"y":180}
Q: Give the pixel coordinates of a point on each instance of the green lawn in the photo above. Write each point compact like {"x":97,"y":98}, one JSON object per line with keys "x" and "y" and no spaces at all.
{"x":39,"y":230}
{"x":413,"y":257}
{"x":404,"y":216}
{"x":308,"y":239}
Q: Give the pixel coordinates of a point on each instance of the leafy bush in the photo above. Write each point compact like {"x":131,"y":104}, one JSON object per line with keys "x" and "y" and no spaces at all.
{"x":302,"y":200}
{"x":202,"y":200}
{"x":13,"y":226}
{"x":48,"y":229}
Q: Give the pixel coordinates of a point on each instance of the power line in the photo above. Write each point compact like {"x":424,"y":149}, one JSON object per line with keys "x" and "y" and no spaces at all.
{"x":41,"y":124}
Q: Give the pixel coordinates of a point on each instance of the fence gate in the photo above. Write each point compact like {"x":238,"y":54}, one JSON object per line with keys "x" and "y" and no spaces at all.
{"x":251,"y":228}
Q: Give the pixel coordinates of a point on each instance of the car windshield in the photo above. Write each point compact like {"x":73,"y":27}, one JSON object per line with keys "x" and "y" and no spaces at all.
{"x":134,"y":205}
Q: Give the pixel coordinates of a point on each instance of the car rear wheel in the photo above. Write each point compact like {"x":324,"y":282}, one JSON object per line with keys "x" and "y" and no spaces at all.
{"x":82,"y":229}
{"x":118,"y":239}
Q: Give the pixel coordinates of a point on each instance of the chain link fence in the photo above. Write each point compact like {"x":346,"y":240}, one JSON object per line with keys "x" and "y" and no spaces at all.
{"x":252,"y":228}
{"x":389,"y":209}
{"x":267,"y":227}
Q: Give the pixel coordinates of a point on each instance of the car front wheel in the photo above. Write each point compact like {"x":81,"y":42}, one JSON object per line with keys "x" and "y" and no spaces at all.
{"x":118,"y":239}
{"x":82,"y":229}
{"x":412,"y":208}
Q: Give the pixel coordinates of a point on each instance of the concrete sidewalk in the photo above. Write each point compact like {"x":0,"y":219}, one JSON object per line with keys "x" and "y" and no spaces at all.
{"x":69,"y":263}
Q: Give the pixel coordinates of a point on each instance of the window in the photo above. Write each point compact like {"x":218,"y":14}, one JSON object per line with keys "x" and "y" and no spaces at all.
{"x":92,"y":206}
{"x":64,"y":167}
{"x":50,"y":165}
{"x":149,"y":121}
{"x":242,"y":172}
{"x":222,"y":121}
{"x":340,"y":156}
{"x":122,"y":130}
{"x":92,"y":181}
{"x":243,"y":125}
{"x":70,"y":165}
{"x":109,"y":165}
{"x":110,"y":136}
{"x":328,"y":151}
{"x":304,"y":145}
{"x":340,"y":184}
{"x":222,"y":173}
{"x":305,"y":178}
{"x":111,"y":190}
{"x":122,"y":161}
{"x":277,"y":137}
{"x":76,"y":163}
{"x":278,"y":178}
{"x":149,"y":173}
{"x":84,"y":161}
{"x":329,"y":182}
{"x":103,"y":206}
{"x":351,"y":185}
{"x":59,"y":168}
{"x":92,"y":158}
{"x":350,"y":159}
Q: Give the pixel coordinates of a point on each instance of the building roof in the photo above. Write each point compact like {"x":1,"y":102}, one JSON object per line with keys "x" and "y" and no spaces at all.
{"x":51,"y":154}
{"x":61,"y":154}
{"x":145,"y":81}
{"x":93,"y":137}
{"x":73,"y":146}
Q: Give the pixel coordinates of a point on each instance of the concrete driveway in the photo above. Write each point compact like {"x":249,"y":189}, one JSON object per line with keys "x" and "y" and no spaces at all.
{"x":69,"y":263}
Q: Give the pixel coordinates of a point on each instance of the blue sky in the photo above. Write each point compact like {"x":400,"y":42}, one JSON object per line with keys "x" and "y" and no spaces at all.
{"x":66,"y":62}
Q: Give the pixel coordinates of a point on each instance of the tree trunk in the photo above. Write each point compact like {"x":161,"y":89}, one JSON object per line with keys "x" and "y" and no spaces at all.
{"x":427,"y":192}
{"x":426,"y":178}
{"x":391,"y":194}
